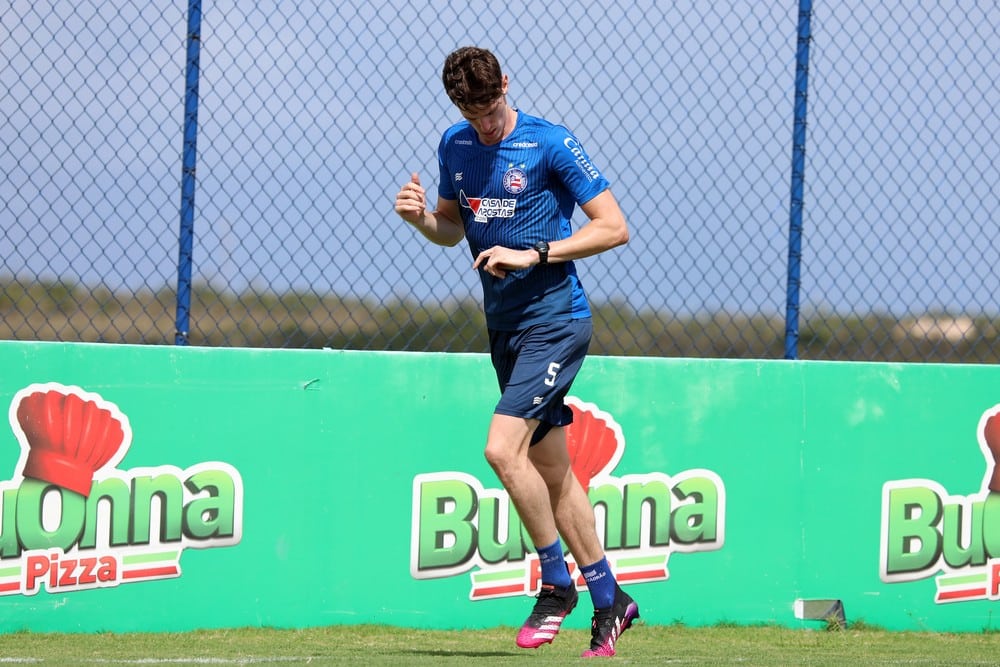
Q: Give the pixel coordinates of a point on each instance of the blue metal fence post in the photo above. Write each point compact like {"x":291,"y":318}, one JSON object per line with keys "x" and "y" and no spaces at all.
{"x":798,"y":182}
{"x":189,"y":159}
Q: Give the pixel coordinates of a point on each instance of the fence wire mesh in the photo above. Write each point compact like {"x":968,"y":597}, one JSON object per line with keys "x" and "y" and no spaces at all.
{"x":311,"y":115}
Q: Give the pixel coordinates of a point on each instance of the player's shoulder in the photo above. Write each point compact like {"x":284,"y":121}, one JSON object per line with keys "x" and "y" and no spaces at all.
{"x":550,"y":133}
{"x":539,"y":124}
{"x":460,"y":134}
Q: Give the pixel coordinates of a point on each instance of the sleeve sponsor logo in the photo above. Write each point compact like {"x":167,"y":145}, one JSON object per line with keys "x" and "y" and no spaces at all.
{"x":581,"y":158}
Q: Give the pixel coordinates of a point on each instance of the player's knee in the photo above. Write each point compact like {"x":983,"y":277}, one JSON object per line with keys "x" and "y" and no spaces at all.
{"x":497,"y":456}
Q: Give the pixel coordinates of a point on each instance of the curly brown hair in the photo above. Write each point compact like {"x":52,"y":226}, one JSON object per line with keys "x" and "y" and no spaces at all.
{"x":472,"y":77}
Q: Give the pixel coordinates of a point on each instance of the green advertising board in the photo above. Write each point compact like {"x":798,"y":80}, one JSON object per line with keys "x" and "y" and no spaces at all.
{"x":172,"y":488}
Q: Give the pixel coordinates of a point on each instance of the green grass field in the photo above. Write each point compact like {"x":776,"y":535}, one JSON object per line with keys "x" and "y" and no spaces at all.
{"x":768,"y":646}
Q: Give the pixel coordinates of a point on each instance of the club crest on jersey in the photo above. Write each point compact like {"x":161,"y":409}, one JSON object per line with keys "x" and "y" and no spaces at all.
{"x":515,"y":180}
{"x":484,"y":208}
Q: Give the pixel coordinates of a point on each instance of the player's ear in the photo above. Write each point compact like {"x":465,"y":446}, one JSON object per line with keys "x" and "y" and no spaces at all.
{"x":503,"y":85}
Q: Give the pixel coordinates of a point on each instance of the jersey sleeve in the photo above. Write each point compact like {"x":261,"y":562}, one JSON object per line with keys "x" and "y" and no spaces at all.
{"x":446,"y":188}
{"x":570,"y":161}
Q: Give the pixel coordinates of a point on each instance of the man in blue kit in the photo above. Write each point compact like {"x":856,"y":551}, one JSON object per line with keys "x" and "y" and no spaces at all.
{"x":509,"y":183}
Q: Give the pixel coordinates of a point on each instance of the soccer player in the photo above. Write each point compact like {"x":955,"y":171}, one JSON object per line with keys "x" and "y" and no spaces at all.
{"x":509,"y":183}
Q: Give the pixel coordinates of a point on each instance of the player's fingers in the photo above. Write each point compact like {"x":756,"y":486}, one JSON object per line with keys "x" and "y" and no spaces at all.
{"x":413,"y":189}
{"x":483,"y":259}
{"x":411,"y":194}
{"x":408,"y":204}
{"x":415,"y":178}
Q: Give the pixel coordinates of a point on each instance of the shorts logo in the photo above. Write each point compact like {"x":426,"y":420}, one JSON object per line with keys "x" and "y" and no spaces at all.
{"x":515,"y":180}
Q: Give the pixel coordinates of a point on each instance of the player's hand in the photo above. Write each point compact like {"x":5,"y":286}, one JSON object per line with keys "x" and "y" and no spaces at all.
{"x":411,"y":202}
{"x":498,"y":260}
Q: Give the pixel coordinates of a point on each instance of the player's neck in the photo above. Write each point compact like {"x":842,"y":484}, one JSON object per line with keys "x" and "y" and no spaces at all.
{"x":510,"y":122}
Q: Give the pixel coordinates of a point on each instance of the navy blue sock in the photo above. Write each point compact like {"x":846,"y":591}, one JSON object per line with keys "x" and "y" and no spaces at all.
{"x":601,"y":583}
{"x":554,"y":565}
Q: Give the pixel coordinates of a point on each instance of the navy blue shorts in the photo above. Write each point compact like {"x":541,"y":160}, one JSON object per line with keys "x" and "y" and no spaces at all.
{"x":536,"y":367}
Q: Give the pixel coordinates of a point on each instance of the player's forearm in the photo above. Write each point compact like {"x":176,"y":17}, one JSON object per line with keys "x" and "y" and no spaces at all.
{"x":438,"y":228}
{"x":593,"y":238}
{"x":605,"y":229}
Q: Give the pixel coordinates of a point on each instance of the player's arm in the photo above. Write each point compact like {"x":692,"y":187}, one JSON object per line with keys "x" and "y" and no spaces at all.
{"x":442,"y":226}
{"x":605,"y":229}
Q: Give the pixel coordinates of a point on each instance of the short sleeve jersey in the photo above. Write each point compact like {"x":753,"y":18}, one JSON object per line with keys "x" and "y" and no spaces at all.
{"x":516,"y":193}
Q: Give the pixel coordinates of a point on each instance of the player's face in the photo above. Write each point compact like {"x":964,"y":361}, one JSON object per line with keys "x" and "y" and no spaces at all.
{"x":488,"y":120}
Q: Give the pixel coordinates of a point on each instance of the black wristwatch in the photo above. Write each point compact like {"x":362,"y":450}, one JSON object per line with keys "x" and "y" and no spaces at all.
{"x":542,"y":248}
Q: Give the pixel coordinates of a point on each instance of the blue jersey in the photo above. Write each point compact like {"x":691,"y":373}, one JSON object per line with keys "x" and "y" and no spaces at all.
{"x":514,"y":194}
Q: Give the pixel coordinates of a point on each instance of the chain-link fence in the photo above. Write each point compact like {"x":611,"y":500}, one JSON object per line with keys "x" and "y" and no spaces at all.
{"x":309,"y":116}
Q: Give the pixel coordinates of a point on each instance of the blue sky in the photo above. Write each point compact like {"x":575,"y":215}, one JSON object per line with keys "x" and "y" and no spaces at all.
{"x":312,"y":115}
